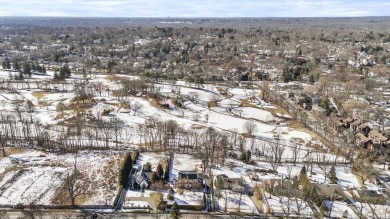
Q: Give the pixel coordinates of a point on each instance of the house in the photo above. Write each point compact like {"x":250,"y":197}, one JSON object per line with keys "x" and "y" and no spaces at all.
{"x":233,"y":184}
{"x":299,"y":100}
{"x":188,"y":180}
{"x":364,"y":128}
{"x":376,"y":136}
{"x":370,"y":196}
{"x":281,"y":187}
{"x":140,"y":179}
{"x":330,"y":192}
{"x":355,"y":124}
{"x":307,"y":106}
{"x":362,"y":139}
{"x":188,"y":175}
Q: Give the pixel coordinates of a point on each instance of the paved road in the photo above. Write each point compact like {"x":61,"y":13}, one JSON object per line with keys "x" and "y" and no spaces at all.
{"x":14,"y":214}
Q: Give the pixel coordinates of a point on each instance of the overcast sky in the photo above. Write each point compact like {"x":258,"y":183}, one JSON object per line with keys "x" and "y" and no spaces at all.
{"x":195,"y":8}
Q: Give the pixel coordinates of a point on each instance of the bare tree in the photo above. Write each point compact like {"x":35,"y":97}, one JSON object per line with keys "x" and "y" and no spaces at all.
{"x":250,"y":127}
{"x":32,"y":211}
{"x":3,"y":142}
{"x":286,"y":204}
{"x":296,"y":148}
{"x":193,"y":97}
{"x":299,"y":203}
{"x":75,"y":184}
{"x":136,"y":107}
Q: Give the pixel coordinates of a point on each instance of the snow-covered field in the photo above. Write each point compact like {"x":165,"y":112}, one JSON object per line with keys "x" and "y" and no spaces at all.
{"x":184,"y":162}
{"x":234,"y":202}
{"x":341,"y":210}
{"x":283,"y":206}
{"x":153,"y":158}
{"x":37,"y":177}
{"x":32,"y":176}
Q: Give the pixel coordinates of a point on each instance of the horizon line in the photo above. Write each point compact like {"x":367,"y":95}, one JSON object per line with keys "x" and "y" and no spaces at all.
{"x":151,"y":17}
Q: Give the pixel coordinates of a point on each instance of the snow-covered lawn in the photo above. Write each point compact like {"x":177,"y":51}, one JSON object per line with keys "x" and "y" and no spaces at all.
{"x":339,"y":209}
{"x":259,"y":114}
{"x":33,"y":176}
{"x":153,"y":158}
{"x":188,"y":198}
{"x":32,"y":184}
{"x":184,"y":162}
{"x":346,"y":178}
{"x":280,"y":205}
{"x":235,"y":202}
{"x":373,"y":211}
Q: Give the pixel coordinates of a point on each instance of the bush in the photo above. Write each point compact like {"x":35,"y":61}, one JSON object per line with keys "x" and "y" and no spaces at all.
{"x":170,"y":197}
{"x":135,"y":156}
{"x":175,"y":211}
{"x":156,"y":197}
{"x":258,"y":193}
{"x":148,"y":167}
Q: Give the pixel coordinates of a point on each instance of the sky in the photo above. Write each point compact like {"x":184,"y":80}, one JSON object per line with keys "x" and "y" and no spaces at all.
{"x":195,"y":8}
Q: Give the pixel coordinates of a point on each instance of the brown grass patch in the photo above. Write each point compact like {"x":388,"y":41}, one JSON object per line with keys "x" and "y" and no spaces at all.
{"x":39,"y":94}
{"x":212,"y":104}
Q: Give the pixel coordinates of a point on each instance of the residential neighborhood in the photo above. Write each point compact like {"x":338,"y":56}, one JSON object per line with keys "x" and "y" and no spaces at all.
{"x":195,"y":118}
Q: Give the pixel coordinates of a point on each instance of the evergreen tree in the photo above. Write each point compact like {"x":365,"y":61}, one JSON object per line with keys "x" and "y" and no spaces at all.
{"x":166,"y":173}
{"x":56,"y":77}
{"x":303,"y":171}
{"x":16,"y":65}
{"x":153,"y":178}
{"x":311,"y":79}
{"x":20,"y":76}
{"x":246,"y":156}
{"x":346,"y":214}
{"x":126,"y":167}
{"x":84,"y":73}
{"x":61,"y":76}
{"x":64,"y":72}
{"x":332,"y":175}
{"x":148,"y":167}
{"x":43,"y":69}
{"x":27,"y":69}
{"x":136,"y":155}
{"x":4,"y":65}
{"x":8,"y":64}
{"x":175,"y":211}
{"x":160,"y":171}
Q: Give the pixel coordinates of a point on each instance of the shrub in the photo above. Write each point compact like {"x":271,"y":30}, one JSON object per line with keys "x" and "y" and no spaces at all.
{"x":148,"y":167}
{"x":156,"y":197}
{"x":170,"y":197}
{"x":175,"y":211}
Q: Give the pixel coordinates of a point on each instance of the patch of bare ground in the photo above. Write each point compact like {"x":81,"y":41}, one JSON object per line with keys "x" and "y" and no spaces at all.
{"x":12,"y":150}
